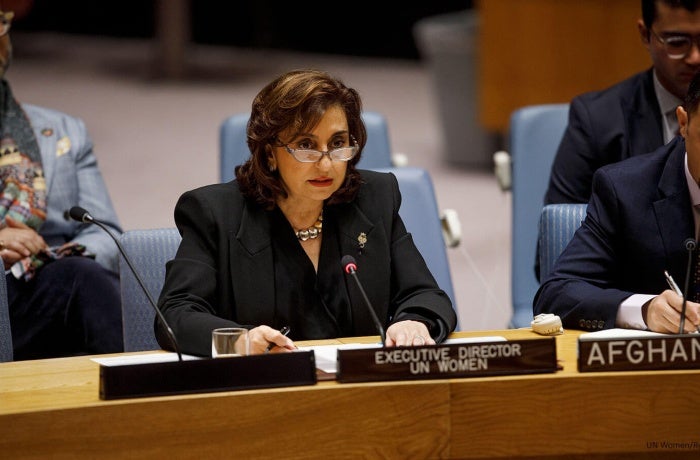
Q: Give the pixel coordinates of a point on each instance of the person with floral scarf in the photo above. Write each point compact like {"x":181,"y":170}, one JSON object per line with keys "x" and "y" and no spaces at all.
{"x":62,"y":276}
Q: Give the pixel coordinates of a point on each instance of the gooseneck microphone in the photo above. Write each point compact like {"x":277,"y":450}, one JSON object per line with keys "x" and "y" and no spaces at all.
{"x":81,"y":215}
{"x":350,"y":267}
{"x":690,"y":244}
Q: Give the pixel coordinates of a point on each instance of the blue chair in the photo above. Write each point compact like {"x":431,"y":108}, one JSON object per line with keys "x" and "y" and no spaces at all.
{"x":6,"y":350}
{"x":558,"y":223}
{"x":421,"y":215}
{"x":535,"y":134}
{"x":148,"y":250}
{"x":233,"y":147}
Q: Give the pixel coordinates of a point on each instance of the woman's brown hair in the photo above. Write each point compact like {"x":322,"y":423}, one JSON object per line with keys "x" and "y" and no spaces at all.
{"x":296,"y":101}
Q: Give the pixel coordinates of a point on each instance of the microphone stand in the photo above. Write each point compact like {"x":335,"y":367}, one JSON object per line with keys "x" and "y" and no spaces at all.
{"x":87,"y":218}
{"x":382,"y":334}
{"x":690,"y":245}
{"x":349,"y":267}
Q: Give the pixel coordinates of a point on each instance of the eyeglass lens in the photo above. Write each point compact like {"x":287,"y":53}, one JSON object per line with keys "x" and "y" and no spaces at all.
{"x":341,"y":154}
{"x":678,"y":46}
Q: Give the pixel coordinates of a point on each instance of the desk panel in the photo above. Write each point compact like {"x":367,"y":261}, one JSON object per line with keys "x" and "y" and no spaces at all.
{"x":605,"y":415}
{"x":386,"y":420}
{"x":51,"y":408}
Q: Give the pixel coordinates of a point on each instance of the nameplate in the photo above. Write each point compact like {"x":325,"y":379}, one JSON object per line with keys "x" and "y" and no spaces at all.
{"x":474,"y":359}
{"x":639,"y":353}
{"x":207,"y":375}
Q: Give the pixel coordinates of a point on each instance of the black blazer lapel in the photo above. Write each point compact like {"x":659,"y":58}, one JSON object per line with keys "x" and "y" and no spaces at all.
{"x":356,"y":231}
{"x":363,"y":240}
{"x":251,"y":263}
{"x":672,"y":210}
{"x":643,"y":118}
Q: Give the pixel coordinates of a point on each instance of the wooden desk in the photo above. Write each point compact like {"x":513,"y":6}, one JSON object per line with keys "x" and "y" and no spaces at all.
{"x":51,"y":408}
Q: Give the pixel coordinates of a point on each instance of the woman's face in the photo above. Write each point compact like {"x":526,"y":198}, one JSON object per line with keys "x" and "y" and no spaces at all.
{"x":319,"y":180}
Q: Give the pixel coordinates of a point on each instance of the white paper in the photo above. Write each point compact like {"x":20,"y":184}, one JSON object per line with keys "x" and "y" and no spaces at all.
{"x":142,"y":359}
{"x":618,"y":333}
{"x":488,"y":338}
{"x":326,"y":356}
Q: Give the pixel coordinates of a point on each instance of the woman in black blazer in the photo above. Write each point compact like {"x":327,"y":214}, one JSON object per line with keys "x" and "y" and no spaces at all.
{"x":264,"y":251}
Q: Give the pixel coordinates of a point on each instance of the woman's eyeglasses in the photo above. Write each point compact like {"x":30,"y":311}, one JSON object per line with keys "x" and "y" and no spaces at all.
{"x":312,"y":156}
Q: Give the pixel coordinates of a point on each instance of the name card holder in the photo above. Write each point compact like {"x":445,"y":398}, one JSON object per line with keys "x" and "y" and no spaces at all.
{"x":639,"y":353}
{"x":207,"y":375}
{"x":474,"y":359}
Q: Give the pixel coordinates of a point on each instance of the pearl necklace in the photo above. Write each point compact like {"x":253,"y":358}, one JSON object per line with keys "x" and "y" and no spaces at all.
{"x":312,"y":232}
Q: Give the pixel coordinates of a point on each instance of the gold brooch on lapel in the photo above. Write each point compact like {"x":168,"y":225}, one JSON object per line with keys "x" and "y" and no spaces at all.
{"x":362,"y":239}
{"x":62,"y":146}
{"x":47,"y":132}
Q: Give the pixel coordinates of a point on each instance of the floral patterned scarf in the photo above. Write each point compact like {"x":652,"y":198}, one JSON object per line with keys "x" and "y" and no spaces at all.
{"x":22,"y":183}
{"x":23,"y":188}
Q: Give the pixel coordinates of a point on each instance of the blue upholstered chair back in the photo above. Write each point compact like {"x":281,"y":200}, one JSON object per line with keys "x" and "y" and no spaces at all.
{"x":148,"y":250}
{"x":6,"y":353}
{"x":558,"y":223}
{"x":421,"y":215}
{"x":233,"y":147}
{"x":535,"y":134}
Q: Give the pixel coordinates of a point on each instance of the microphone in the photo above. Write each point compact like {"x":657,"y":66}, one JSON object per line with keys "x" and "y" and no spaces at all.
{"x":350,"y":267}
{"x":690,"y":244}
{"x":81,"y":215}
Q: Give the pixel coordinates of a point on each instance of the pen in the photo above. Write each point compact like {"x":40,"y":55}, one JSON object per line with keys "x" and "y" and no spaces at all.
{"x":284,"y":331}
{"x":672,"y":283}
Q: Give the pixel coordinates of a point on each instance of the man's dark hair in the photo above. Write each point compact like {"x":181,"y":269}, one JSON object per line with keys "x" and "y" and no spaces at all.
{"x":649,"y":8}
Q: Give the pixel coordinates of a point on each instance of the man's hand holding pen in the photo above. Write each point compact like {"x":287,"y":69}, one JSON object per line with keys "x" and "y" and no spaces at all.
{"x":663,"y":312}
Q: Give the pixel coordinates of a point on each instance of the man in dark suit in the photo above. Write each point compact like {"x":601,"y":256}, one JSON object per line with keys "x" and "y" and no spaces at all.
{"x":636,"y":115}
{"x":641,"y":212}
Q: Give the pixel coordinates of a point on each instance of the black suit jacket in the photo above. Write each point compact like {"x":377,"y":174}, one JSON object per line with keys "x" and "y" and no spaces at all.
{"x":604,"y":127}
{"x":222,"y":274}
{"x":637,"y":221}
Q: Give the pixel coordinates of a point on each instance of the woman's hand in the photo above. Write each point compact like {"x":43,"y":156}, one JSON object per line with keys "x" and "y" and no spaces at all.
{"x":408,"y":333}
{"x":261,"y":337}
